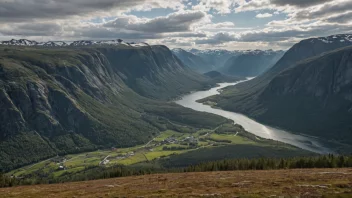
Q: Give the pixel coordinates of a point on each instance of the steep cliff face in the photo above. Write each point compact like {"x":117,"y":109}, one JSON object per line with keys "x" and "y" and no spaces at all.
{"x":252,"y":63}
{"x":313,"y":97}
{"x":59,"y":100}
{"x":154,"y":71}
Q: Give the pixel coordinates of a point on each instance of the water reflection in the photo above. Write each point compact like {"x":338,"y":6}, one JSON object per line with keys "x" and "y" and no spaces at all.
{"x":250,"y":125}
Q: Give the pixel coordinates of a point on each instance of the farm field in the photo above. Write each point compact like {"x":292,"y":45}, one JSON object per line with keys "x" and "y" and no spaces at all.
{"x":268,"y":183}
{"x":166,"y":144}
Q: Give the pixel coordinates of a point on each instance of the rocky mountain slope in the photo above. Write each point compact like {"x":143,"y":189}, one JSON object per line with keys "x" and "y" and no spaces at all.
{"x":312,"y":96}
{"x":193,"y":61}
{"x":251,"y":63}
{"x":73,"y":99}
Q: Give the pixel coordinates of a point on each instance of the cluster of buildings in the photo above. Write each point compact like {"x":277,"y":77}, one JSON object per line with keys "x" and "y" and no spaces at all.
{"x":127,"y":155}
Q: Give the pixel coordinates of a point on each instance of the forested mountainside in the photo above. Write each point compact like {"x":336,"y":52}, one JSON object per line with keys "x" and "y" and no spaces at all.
{"x":314,"y":97}
{"x":193,"y":61}
{"x":252,"y":63}
{"x":72,"y":99}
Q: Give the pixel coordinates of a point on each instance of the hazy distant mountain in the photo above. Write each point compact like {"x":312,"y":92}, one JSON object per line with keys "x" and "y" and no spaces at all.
{"x":308,"y":90}
{"x":216,"y":58}
{"x":193,"y":61}
{"x":251,"y":63}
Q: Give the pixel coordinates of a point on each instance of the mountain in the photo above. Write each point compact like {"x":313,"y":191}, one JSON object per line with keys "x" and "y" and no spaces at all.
{"x":193,"y":61}
{"x":58,"y":100}
{"x":304,"y":49}
{"x":154,"y":72}
{"x":216,"y":58}
{"x":26,"y":42}
{"x":251,"y":63}
{"x":308,"y":91}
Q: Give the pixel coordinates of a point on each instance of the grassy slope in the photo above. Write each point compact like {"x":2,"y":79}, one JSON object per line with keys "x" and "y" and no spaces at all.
{"x":289,"y":183}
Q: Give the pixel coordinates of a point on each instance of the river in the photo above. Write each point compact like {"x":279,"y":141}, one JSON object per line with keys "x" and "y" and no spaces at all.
{"x":252,"y":126}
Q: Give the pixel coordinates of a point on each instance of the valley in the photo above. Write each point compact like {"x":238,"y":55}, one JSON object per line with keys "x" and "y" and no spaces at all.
{"x":258,"y":129}
{"x":169,"y":144}
{"x":182,"y":98}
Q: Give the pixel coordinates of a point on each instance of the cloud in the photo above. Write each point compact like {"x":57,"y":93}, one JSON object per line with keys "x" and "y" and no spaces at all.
{"x":203,"y":23}
{"x":176,"y":22}
{"x":297,"y":33}
{"x":299,"y":3}
{"x":19,"y":10}
{"x":218,"y":38}
{"x":336,"y":7}
{"x":265,"y":15}
{"x":220,"y":6}
{"x":32,"y":29}
{"x":341,"y":19}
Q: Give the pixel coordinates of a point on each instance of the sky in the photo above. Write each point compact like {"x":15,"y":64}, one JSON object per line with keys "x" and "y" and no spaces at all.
{"x":201,"y":24}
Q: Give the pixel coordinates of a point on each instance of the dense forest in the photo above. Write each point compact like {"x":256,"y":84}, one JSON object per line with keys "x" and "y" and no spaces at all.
{"x":93,"y":173}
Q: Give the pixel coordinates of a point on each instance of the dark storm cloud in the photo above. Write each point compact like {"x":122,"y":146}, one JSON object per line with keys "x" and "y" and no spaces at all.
{"x":177,"y":22}
{"x":18,"y":10}
{"x":299,"y":3}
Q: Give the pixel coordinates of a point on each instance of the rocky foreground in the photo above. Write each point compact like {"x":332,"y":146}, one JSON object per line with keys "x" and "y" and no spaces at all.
{"x":269,"y":183}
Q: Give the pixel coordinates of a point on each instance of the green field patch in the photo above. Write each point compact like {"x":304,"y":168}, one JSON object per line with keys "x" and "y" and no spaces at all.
{"x":164,"y":135}
{"x":235,"y":139}
{"x":138,"y":157}
{"x":159,"y":154}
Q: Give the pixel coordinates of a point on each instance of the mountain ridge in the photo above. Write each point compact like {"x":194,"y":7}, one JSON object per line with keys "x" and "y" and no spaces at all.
{"x":69,"y":100}
{"x":310,"y":97}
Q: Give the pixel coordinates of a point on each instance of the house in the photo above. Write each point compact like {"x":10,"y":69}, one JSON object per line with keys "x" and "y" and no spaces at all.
{"x":191,"y":139}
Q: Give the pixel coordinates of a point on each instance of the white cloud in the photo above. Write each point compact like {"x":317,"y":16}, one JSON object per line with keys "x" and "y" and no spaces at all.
{"x":220,"y":6}
{"x":175,"y":22}
{"x":265,"y":15}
